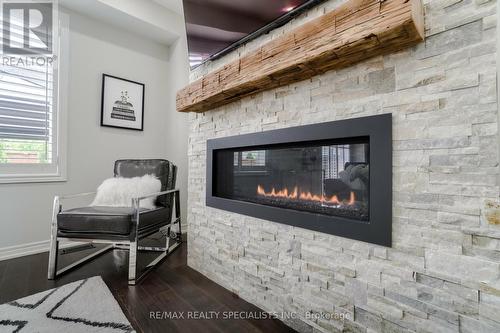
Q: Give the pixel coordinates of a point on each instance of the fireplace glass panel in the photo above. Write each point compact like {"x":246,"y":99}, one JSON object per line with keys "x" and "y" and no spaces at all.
{"x":329,"y":178}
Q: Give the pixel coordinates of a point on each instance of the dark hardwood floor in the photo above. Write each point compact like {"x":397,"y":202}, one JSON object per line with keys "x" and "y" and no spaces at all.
{"x":172,"y":286}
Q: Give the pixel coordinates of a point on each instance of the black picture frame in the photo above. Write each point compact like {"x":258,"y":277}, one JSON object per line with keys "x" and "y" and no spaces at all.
{"x":378,"y":230}
{"x":120,"y":122}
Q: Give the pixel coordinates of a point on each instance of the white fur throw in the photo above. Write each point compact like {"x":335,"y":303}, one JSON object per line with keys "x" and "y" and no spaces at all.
{"x":118,"y":191}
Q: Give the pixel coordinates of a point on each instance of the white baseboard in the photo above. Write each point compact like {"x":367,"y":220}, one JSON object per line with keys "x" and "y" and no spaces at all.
{"x":22,"y":250}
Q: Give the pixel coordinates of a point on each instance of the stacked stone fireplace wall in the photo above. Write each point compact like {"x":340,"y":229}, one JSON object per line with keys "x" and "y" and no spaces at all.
{"x":442,"y":273}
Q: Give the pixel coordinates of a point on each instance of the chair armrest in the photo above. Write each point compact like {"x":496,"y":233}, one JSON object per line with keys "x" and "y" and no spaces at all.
{"x":136,"y":202}
{"x":157,"y":194}
{"x":57,"y":206}
{"x":72,"y":196}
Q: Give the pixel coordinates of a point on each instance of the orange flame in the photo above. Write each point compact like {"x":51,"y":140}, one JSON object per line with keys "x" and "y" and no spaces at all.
{"x":294,"y":195}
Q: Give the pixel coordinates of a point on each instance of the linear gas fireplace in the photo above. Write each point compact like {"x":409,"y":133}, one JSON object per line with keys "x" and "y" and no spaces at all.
{"x":332,"y":177}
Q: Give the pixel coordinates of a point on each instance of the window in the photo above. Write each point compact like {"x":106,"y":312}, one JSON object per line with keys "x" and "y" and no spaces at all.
{"x":31,"y":135}
{"x":26,"y":114}
{"x":333,"y":160}
{"x":254,"y":158}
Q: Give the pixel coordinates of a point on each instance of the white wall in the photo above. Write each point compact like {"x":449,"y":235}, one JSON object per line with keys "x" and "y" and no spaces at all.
{"x":96,"y":48}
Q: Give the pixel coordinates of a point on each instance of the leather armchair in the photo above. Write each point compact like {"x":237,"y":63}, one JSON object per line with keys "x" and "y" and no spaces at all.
{"x":120,"y":227}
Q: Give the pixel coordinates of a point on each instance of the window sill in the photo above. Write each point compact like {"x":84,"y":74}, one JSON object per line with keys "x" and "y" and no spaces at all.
{"x":15,"y":179}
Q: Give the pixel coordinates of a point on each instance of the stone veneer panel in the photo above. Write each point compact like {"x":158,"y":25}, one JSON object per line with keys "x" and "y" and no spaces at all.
{"x":443,"y":272}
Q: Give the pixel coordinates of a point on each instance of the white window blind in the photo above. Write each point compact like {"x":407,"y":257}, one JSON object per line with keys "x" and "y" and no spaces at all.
{"x":32,"y":141}
{"x":26,"y":114}
{"x":27,"y":126}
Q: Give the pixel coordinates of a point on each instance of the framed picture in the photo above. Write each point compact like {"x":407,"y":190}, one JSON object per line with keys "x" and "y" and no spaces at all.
{"x":122,"y":104}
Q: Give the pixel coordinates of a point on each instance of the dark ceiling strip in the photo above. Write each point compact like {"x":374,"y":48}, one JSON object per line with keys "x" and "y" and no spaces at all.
{"x":282,"y":20}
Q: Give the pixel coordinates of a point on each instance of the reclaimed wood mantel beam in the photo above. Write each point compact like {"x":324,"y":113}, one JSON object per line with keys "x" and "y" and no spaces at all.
{"x":355,"y":31}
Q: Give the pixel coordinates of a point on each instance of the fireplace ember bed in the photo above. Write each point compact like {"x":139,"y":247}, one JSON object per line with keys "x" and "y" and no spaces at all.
{"x":333,"y":177}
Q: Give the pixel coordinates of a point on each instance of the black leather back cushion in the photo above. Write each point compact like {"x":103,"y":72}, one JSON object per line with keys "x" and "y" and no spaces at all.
{"x":165,"y":171}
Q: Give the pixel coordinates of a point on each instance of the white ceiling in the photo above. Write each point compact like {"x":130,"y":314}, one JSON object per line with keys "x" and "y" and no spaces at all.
{"x":157,"y":20}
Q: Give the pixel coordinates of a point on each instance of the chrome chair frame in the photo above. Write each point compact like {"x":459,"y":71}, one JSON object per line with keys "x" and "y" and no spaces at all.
{"x":132,"y":245}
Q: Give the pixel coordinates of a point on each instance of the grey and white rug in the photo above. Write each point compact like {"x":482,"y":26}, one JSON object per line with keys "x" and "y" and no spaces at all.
{"x":83,"y":306}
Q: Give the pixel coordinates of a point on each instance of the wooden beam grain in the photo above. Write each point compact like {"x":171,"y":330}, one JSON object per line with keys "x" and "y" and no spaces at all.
{"x":353,"y":32}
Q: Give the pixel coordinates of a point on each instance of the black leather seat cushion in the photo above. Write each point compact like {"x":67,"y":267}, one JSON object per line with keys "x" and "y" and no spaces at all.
{"x":99,"y":220}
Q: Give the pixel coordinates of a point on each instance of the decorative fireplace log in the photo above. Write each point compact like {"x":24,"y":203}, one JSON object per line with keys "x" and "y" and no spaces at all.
{"x":355,"y":31}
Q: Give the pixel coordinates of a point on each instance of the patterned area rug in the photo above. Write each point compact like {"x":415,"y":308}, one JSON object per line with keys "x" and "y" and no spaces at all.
{"x":83,"y":306}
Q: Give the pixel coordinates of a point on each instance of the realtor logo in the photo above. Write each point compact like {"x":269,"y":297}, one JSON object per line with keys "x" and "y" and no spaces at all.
{"x":27,"y":27}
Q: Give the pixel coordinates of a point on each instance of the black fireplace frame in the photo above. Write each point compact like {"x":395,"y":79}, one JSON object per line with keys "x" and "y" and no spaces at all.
{"x":378,"y":129}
